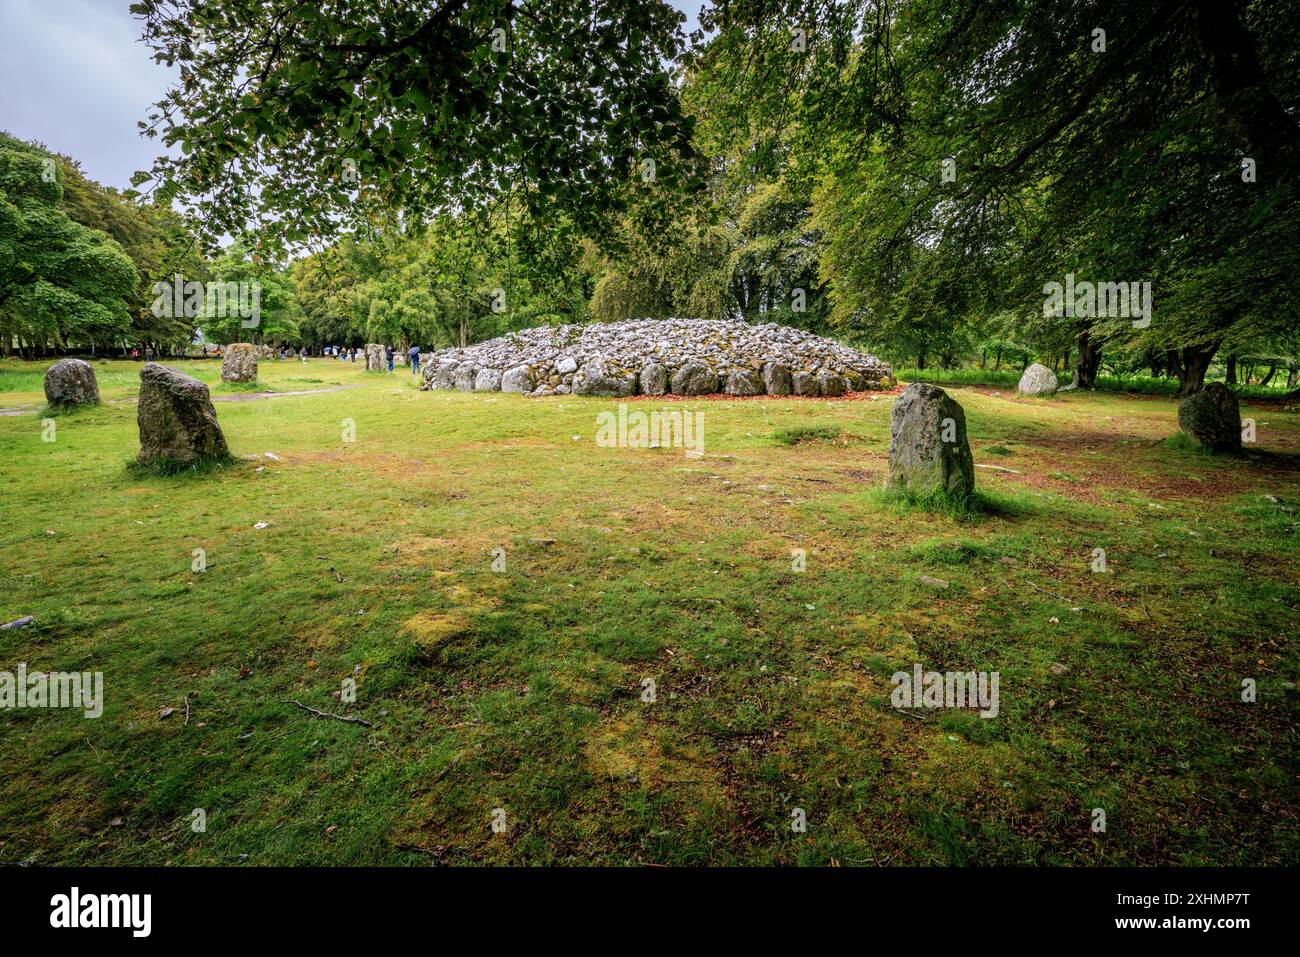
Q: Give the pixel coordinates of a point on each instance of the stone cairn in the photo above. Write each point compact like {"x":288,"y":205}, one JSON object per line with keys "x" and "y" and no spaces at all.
{"x":177,"y":421}
{"x":70,"y":383}
{"x":239,"y":362}
{"x":657,"y":357}
{"x":928,"y":448}
{"x":1212,"y":417}
{"x":376,"y":358}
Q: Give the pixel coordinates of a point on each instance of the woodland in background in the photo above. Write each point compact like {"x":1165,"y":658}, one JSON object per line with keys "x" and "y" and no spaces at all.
{"x":904,"y":176}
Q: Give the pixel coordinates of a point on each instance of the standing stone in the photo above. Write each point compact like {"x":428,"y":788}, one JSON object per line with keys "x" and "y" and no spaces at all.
{"x":744,"y":382}
{"x":488,"y":380}
{"x":176,"y":419}
{"x":519,"y":379}
{"x":465,"y":376}
{"x":601,"y":377}
{"x":1212,"y":417}
{"x":1038,"y":380}
{"x":928,"y":450}
{"x":71,"y":382}
{"x":376,"y":357}
{"x":805,"y":383}
{"x":239,"y":363}
{"x":694,"y":378}
{"x":654,"y":379}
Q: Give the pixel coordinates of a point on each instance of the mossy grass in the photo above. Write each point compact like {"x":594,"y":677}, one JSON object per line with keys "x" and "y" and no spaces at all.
{"x":257,"y":386}
{"x":64,"y":409}
{"x":1182,"y":442}
{"x":973,"y":507}
{"x":372,"y":560}
{"x":171,"y":468}
{"x":803,"y":434}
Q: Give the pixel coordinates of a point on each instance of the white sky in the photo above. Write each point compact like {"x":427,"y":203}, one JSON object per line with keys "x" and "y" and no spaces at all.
{"x":75,"y":78}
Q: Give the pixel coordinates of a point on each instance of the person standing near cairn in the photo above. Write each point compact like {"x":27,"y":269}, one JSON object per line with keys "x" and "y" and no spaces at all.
{"x":413,"y":354}
{"x":388,"y":351}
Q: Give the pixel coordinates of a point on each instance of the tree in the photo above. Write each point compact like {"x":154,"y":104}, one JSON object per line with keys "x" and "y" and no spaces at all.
{"x":1115,"y":141}
{"x":317,"y":115}
{"x":60,"y":282}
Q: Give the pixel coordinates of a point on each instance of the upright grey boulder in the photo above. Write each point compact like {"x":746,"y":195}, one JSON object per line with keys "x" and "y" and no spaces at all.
{"x":376,"y":357}
{"x":805,"y":383}
{"x":441,"y":374}
{"x":928,"y":449}
{"x":239,"y":362}
{"x":604,"y":378}
{"x":830,"y":383}
{"x":519,"y":379}
{"x":1038,"y":380}
{"x":71,"y":382}
{"x":1212,"y":417}
{"x":776,"y":379}
{"x":744,"y":382}
{"x":654,"y":379}
{"x":176,"y":419}
{"x":488,"y":380}
{"x":465,"y":376}
{"x":694,"y":378}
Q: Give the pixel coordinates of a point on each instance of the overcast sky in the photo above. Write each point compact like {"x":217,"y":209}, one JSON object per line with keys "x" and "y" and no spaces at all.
{"x":74,"y":77}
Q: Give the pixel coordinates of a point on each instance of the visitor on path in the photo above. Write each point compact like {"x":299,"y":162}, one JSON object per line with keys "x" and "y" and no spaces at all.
{"x":303,"y":354}
{"x":388,"y":351}
{"x":413,"y":354}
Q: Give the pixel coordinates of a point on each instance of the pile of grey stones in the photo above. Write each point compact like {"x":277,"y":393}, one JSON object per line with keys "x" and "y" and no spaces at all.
{"x":658,"y":357}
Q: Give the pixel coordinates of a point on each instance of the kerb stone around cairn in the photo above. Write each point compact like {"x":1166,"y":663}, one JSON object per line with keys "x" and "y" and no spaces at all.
{"x":71,"y":382}
{"x":239,"y":362}
{"x":176,"y":419}
{"x":928,"y":448}
{"x":1212,"y":417}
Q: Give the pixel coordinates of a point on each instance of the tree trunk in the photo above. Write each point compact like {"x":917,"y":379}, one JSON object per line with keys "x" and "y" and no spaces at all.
{"x":1272,"y":371}
{"x":1085,"y":369}
{"x":1190,"y":364}
{"x":1230,"y":370}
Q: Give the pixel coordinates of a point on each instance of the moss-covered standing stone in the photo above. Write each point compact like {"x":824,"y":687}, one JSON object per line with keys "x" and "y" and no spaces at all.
{"x":1212,"y":417}
{"x":176,"y":419}
{"x":928,"y":449}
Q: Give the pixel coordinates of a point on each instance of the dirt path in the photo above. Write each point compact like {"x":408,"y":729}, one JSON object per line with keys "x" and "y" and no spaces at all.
{"x":249,"y":396}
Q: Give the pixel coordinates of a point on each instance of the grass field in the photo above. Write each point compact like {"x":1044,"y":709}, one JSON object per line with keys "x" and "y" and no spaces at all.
{"x":522,"y":689}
